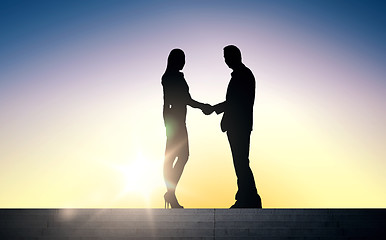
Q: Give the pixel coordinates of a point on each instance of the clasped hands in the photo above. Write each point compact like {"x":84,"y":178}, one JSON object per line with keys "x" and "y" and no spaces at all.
{"x":207,"y":109}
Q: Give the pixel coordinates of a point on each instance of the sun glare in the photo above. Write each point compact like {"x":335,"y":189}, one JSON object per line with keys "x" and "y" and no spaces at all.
{"x":140,"y":176}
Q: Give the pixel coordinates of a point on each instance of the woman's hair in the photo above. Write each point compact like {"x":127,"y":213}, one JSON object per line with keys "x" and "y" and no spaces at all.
{"x":176,"y":59}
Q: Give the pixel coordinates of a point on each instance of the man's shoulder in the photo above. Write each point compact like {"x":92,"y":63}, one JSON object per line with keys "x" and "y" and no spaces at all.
{"x":247,"y":71}
{"x":244,"y":74}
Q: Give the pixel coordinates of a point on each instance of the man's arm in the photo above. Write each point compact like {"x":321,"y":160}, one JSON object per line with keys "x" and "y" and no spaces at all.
{"x":219,"y":108}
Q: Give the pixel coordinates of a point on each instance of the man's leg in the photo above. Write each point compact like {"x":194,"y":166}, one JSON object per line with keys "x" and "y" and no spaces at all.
{"x":247,"y":193}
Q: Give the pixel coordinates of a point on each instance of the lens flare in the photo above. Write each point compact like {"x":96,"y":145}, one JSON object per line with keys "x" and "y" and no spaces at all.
{"x":140,"y":176}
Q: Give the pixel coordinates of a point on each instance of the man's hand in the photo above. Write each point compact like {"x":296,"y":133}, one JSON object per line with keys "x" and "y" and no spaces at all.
{"x":207,"y":109}
{"x":218,"y":111}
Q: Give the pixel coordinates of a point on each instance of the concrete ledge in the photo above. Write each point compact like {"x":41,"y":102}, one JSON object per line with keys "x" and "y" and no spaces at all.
{"x":192,"y":223}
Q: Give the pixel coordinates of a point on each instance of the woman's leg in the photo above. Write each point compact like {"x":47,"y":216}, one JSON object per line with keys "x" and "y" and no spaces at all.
{"x":169,"y":172}
{"x":176,"y":156}
{"x":172,"y":174}
{"x":183,"y":154}
{"x":179,"y":168}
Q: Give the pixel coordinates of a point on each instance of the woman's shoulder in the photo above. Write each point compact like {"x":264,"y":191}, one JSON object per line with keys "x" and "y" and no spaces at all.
{"x":171,"y":76}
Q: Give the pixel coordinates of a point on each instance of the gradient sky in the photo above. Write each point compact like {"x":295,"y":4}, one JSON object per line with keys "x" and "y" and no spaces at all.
{"x":81,"y":101}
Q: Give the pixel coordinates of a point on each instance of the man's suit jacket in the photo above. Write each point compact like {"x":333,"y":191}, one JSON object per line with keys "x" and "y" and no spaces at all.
{"x":240,"y":97}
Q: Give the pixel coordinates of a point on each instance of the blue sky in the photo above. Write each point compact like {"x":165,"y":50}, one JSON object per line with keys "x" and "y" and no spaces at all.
{"x":31,"y":26}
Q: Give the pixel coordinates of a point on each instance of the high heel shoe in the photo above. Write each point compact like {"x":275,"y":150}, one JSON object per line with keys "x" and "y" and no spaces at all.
{"x":171,"y":200}
{"x":167,"y":204}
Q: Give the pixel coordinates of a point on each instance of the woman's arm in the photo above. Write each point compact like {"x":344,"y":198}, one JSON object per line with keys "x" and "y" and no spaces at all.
{"x":206,"y":108}
{"x":195,"y":104}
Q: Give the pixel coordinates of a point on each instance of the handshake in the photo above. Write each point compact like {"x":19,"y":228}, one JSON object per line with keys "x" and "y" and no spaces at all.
{"x":207,"y":109}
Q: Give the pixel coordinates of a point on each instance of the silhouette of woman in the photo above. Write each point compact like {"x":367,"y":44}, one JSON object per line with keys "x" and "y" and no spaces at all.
{"x":176,"y":98}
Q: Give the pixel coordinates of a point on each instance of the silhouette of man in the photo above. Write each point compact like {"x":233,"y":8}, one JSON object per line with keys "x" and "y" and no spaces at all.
{"x":237,"y":123}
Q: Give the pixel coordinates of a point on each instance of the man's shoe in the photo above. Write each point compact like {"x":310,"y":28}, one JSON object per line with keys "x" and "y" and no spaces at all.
{"x":237,"y":205}
{"x":255,"y":203}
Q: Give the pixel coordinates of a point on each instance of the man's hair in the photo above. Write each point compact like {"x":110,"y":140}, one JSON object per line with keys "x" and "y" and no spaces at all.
{"x":233,"y":51}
